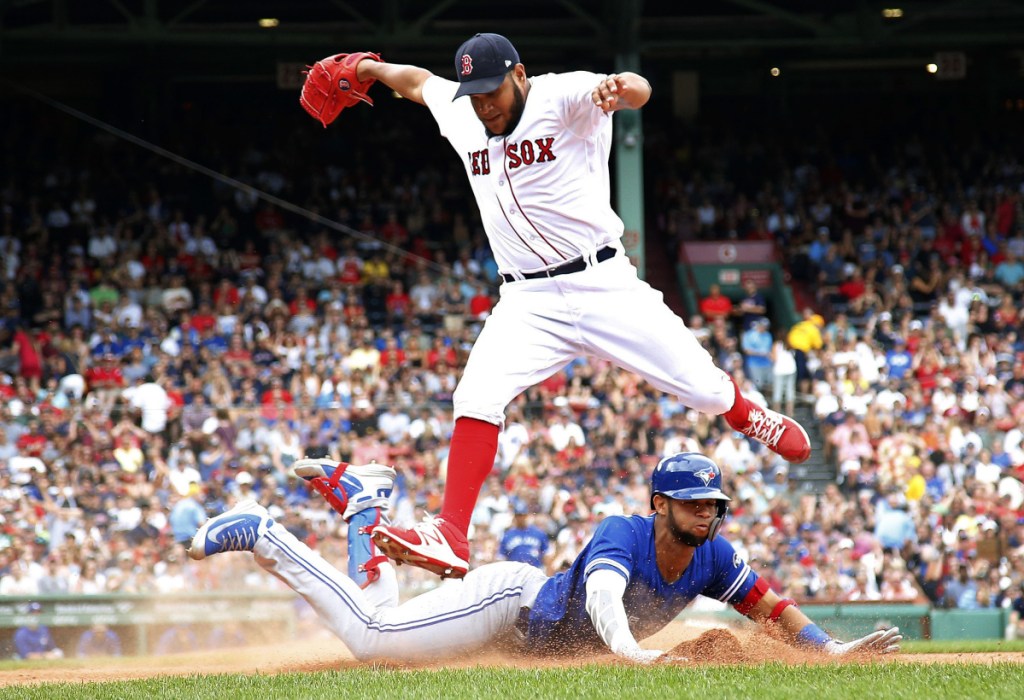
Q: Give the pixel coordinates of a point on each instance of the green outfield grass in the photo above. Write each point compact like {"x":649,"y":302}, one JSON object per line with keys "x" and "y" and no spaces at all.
{"x":773,"y":680}
{"x":966,"y":646}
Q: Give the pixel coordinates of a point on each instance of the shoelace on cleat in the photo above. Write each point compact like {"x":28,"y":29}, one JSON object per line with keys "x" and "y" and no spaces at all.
{"x":765,"y":427}
{"x":242,"y":539}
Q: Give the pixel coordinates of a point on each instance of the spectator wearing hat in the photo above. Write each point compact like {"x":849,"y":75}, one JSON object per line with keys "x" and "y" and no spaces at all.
{"x":522,"y":541}
{"x":33,"y":640}
{"x":898,"y":360}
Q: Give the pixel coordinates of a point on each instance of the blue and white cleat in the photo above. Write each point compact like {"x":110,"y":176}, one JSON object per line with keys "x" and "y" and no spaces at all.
{"x":349,"y":488}
{"x":236,"y":530}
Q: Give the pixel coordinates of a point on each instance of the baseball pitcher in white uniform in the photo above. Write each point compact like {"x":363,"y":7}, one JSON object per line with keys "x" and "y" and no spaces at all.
{"x":536,"y":152}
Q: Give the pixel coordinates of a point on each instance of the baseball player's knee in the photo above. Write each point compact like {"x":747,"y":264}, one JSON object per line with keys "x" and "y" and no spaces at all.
{"x":367,"y":646}
{"x":467,"y":405}
{"x":715,"y":395}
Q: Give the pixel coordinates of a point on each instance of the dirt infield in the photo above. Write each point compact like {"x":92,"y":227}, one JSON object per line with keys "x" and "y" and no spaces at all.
{"x":698,"y":645}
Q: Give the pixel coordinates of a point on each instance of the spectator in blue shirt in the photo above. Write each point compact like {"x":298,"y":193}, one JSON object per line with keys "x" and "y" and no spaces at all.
{"x":33,"y":640}
{"x":176,"y":639}
{"x":99,"y":640}
{"x":898,"y":361}
{"x":962,"y":592}
{"x":756,"y":344}
{"x":186,"y":516}
{"x":522,"y":541}
{"x":893,"y":525}
{"x":1010,"y":271}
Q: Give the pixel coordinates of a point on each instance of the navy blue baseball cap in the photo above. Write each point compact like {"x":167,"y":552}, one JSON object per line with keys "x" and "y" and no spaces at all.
{"x":482,"y":62}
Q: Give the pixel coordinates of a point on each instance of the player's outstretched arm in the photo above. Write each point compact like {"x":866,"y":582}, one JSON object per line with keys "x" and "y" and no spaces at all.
{"x":798,"y":629}
{"x":621,"y":91}
{"x":604,"y":606}
{"x":406,"y":80}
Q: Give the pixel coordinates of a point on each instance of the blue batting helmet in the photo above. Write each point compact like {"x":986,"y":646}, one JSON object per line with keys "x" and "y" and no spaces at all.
{"x":689,"y":476}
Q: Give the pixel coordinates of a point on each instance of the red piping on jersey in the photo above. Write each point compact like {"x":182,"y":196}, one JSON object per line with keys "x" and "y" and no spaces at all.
{"x":501,"y":208}
{"x":753,"y":597}
{"x":504,"y":167}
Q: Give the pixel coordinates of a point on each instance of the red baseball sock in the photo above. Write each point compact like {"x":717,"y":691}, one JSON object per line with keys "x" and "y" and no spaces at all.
{"x":739,"y":415}
{"x":470,"y":460}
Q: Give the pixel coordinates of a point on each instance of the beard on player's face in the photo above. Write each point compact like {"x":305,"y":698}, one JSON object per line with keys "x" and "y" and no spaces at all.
{"x":515,"y":112}
{"x":682,"y":535}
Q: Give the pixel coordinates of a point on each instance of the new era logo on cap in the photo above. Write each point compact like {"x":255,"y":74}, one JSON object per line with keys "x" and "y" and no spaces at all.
{"x":482,"y":62}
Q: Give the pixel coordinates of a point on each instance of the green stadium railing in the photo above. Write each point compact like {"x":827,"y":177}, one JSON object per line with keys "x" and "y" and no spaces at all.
{"x":143,"y":614}
{"x":853,"y":620}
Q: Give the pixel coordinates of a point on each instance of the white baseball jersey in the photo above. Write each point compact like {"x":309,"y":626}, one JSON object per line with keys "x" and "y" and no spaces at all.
{"x":543,"y":190}
{"x":544,"y":197}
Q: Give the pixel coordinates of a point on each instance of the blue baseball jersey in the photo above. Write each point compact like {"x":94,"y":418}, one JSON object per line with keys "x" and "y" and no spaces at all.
{"x":33,"y":640}
{"x":527,"y":545}
{"x":559,"y":623}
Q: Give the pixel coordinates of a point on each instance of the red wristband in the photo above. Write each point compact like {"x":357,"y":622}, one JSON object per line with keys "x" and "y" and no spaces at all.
{"x":779,"y":607}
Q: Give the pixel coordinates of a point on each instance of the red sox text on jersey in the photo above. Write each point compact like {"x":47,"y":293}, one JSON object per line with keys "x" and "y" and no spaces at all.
{"x":526,"y":153}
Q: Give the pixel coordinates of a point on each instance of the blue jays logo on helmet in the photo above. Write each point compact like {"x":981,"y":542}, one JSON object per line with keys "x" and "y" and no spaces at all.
{"x":705,"y":475}
{"x":687,"y":476}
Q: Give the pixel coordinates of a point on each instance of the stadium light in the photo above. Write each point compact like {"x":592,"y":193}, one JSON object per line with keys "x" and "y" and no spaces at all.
{"x":932,"y":68}
{"x":775,"y":72}
{"x":269,"y":22}
{"x":892,"y":12}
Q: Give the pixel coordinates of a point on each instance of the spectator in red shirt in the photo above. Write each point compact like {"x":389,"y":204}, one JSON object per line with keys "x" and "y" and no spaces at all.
{"x":715,"y":304}
{"x":302,"y":304}
{"x":350,"y":267}
{"x":949,"y":242}
{"x":153,"y":260}
{"x":392,"y":353}
{"x":29,"y":348}
{"x":105,"y":374}
{"x":276,"y":393}
{"x":398,"y":304}
{"x":249,"y":259}
{"x":236,"y":353}
{"x":480,"y":304}
{"x":268,"y":219}
{"x":204,"y":319}
{"x":853,"y":286}
{"x":439,"y":352}
{"x":32,"y":443}
{"x":393,"y":232}
{"x":226,"y":293}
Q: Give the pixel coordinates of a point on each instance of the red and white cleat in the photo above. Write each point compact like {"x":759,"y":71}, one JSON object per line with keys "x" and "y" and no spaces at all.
{"x":434,"y":545}
{"x":781,"y":434}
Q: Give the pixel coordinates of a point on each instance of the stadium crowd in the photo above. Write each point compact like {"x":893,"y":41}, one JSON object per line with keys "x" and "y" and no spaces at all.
{"x":169,"y":345}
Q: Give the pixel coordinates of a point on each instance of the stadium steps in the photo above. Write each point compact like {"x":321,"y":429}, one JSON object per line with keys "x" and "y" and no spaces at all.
{"x":815,"y":474}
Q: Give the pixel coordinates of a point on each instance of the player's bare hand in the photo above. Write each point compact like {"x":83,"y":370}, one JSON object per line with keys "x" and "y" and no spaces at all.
{"x":610,"y":92}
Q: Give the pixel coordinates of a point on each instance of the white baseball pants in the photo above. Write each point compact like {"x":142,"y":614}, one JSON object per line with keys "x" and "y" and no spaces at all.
{"x":539,"y":326}
{"x":458,"y":616}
